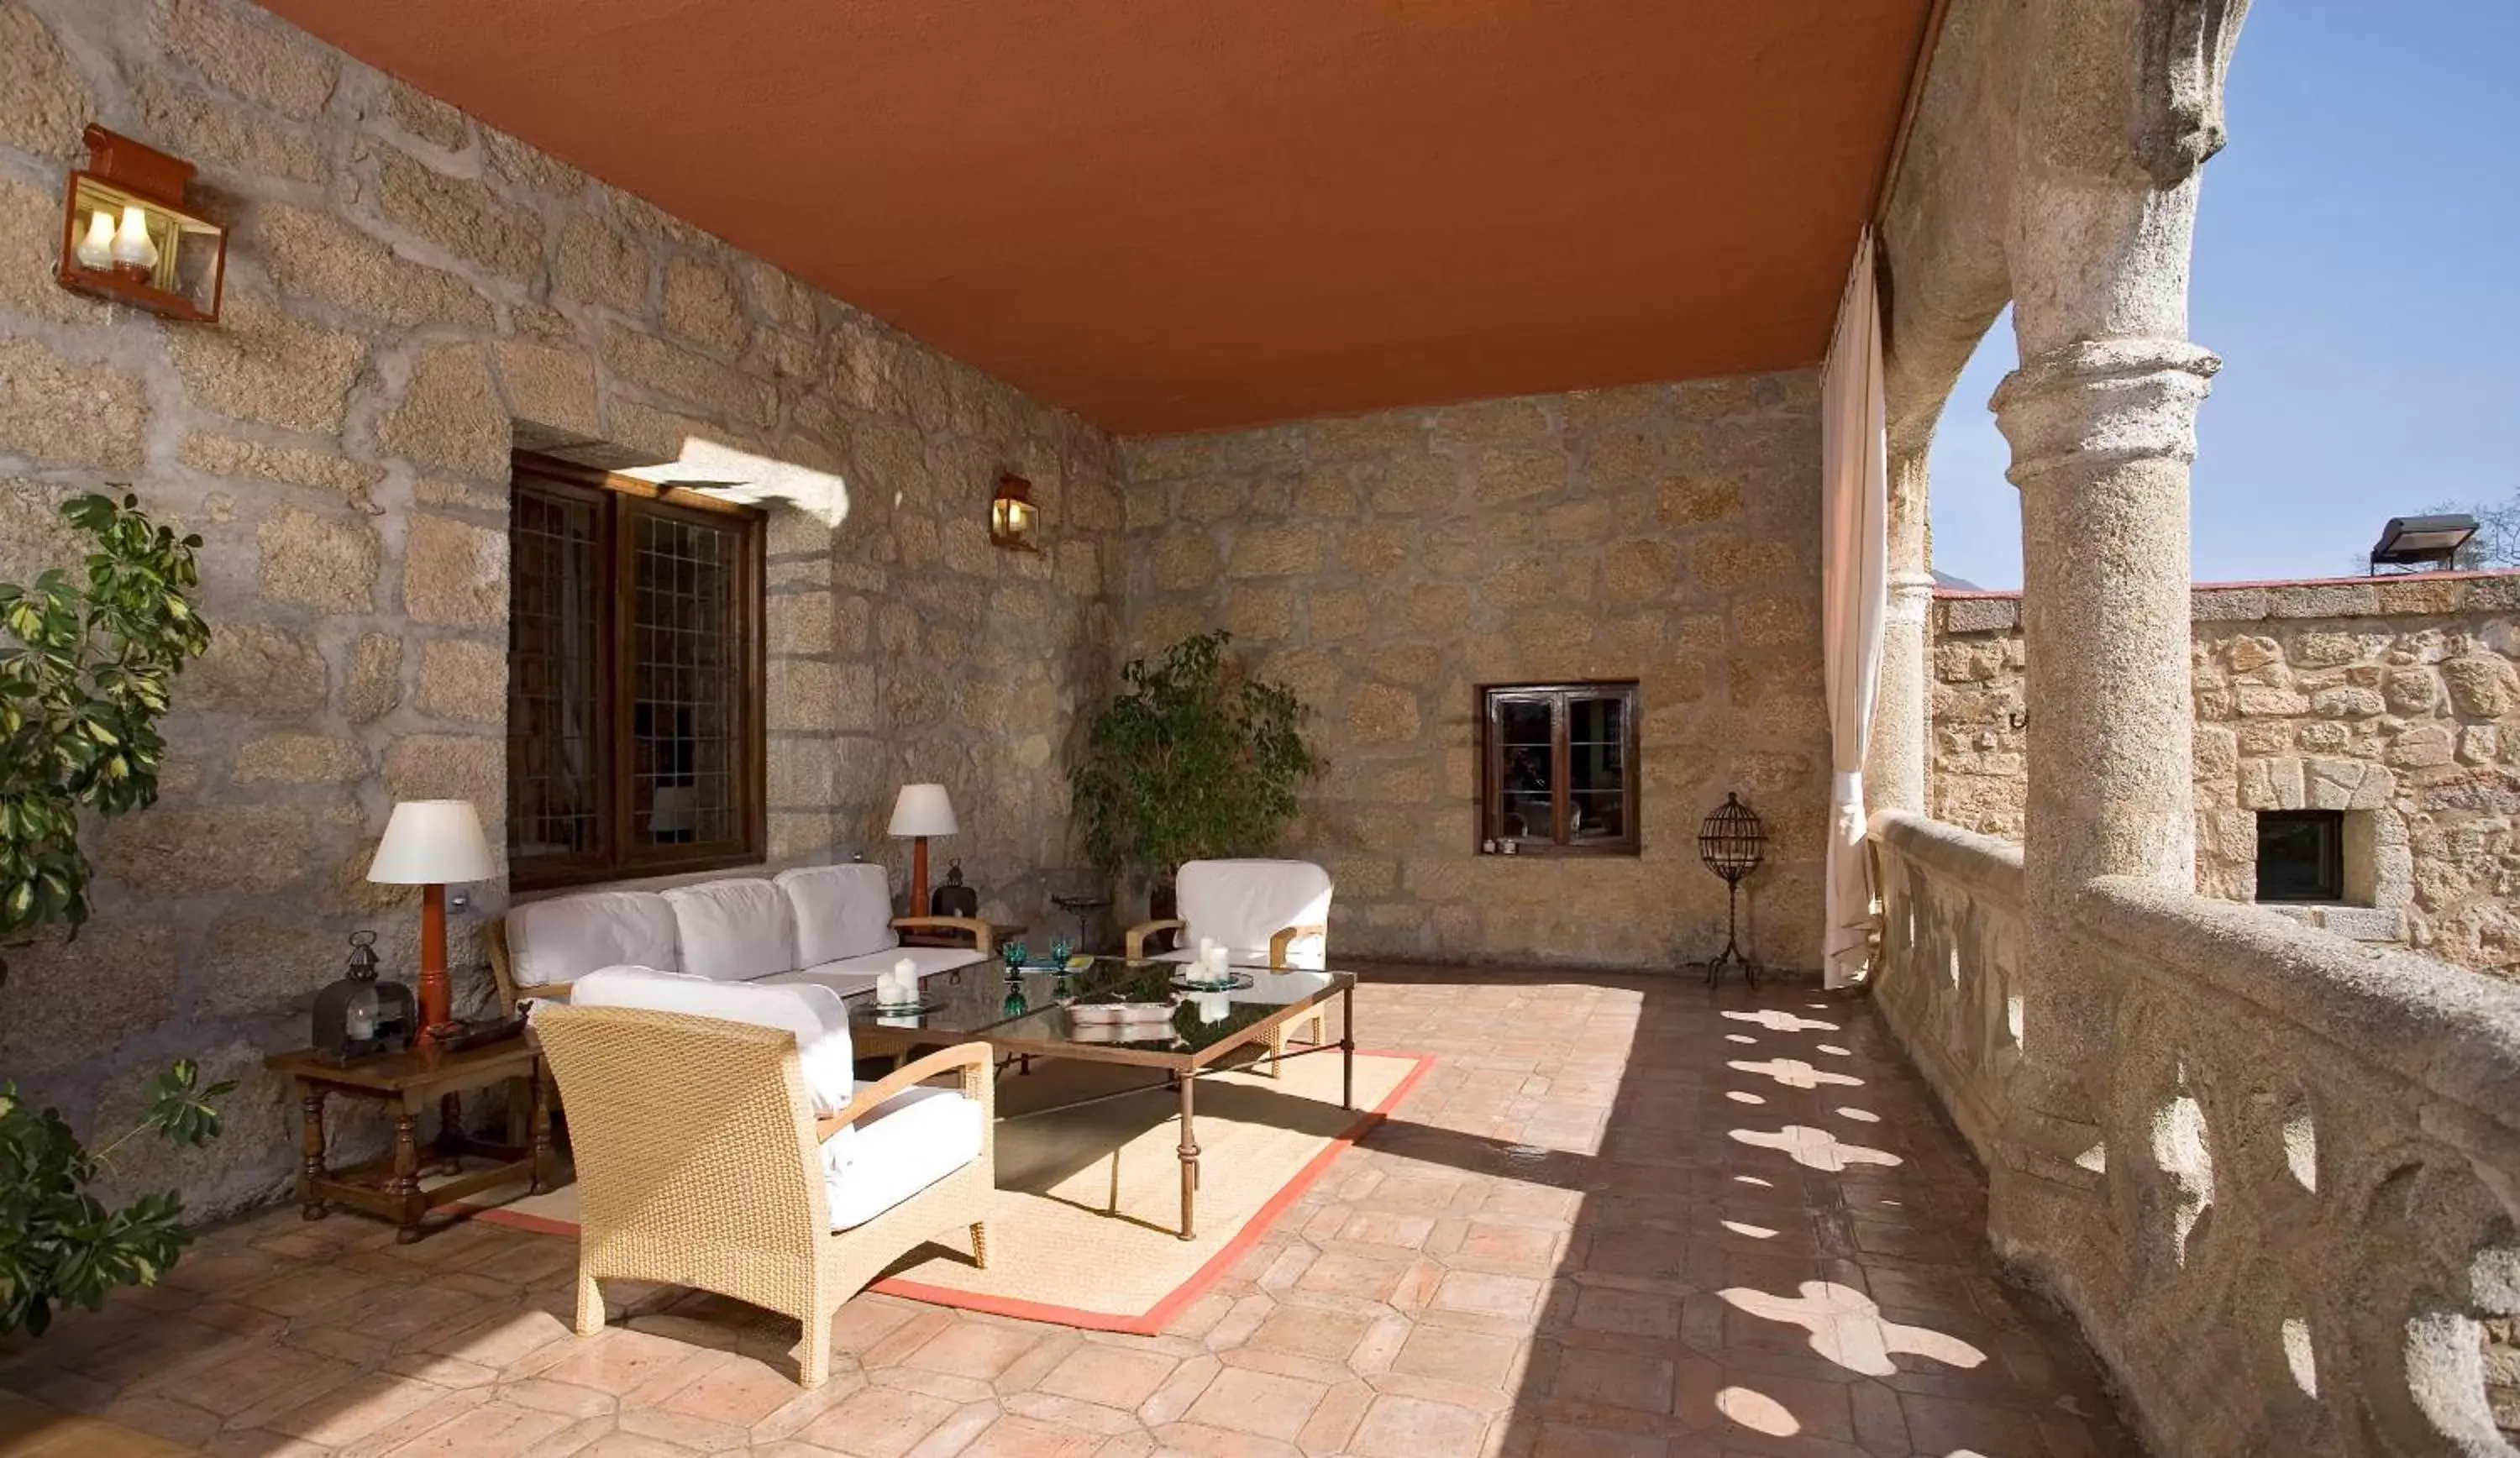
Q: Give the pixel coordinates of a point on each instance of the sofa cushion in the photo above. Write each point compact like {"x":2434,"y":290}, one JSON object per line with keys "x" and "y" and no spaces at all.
{"x":564,"y":938}
{"x":1243,"y":903}
{"x":841,"y":912}
{"x":911,"y":1140}
{"x":814,"y":1014}
{"x":735,"y":930}
{"x":850,"y":976}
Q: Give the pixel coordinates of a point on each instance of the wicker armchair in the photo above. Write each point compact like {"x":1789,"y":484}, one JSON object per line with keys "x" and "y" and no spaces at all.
{"x":700,"y":1163}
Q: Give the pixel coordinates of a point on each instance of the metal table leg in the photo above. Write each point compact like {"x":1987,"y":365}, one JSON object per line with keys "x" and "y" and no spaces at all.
{"x":1189,"y":1162}
{"x":1347,"y":1048}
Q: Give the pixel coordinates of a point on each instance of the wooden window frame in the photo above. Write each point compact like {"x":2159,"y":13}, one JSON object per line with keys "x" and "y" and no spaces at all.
{"x":1559,"y":696}
{"x":618,"y":498}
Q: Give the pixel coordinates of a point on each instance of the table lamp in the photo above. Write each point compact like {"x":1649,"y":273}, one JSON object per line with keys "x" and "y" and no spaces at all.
{"x":921,"y":811}
{"x":428,"y":844}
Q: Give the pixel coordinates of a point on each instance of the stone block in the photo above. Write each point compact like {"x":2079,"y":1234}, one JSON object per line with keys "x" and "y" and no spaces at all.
{"x":454,"y":574}
{"x":323,"y":562}
{"x":2329,"y":649}
{"x":56,"y":413}
{"x":2364,"y":923}
{"x":1774,"y":621}
{"x":801,"y":623}
{"x":1696,"y":500}
{"x":2421,"y":746}
{"x":526,"y":169}
{"x":2321,"y":600}
{"x":1413,"y":485}
{"x":449,"y":417}
{"x":461,"y":215}
{"x":1727,"y":562}
{"x":702,"y":306}
{"x":44,"y":103}
{"x":256,"y":669}
{"x":2248,"y":654}
{"x":1438,"y":607}
{"x":2271,"y":784}
{"x":264,"y":366}
{"x":1184,"y":560}
{"x":226,"y":456}
{"x":2228,"y":605}
{"x":2345,"y":703}
{"x":450,"y":767}
{"x":68,"y":1001}
{"x":2411,"y":690}
{"x":2480,"y":744}
{"x":1641,"y":570}
{"x":173,"y":851}
{"x":221,"y":137}
{"x":693,"y":378}
{"x":1503,"y":478}
{"x":426,"y":117}
{"x":1493,"y":424}
{"x":2481,"y":685}
{"x":1258,"y":615}
{"x":1275,"y":551}
{"x":298,"y":759}
{"x":31,"y":232}
{"x":597,"y":264}
{"x":553,"y":389}
{"x":244,"y":52}
{"x":1378,"y":714}
{"x":2324,"y":738}
{"x":464,"y":680}
{"x":371,"y":684}
{"x":316,"y":255}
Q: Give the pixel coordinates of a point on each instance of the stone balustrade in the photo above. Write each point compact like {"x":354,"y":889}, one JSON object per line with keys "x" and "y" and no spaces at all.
{"x":2294,"y":1227}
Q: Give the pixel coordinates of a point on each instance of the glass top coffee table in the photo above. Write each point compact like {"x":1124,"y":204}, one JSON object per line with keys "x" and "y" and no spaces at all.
{"x":1050,"y":1015}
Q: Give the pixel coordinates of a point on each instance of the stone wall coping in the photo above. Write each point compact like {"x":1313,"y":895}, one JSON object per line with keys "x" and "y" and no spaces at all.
{"x":1987,"y":867}
{"x":2449,"y":1030}
{"x":2402,"y":594}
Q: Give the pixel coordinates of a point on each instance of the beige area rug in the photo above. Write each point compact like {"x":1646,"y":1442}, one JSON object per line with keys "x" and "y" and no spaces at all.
{"x":1059,"y":1248}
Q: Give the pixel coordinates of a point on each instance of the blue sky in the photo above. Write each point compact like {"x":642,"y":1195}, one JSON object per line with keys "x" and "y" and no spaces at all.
{"x":2358,"y":269}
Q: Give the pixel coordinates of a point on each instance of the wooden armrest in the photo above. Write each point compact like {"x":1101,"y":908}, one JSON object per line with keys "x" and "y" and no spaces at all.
{"x":1289,"y":936}
{"x":974,"y":1058}
{"x":1138,"y":935}
{"x":982,"y":938}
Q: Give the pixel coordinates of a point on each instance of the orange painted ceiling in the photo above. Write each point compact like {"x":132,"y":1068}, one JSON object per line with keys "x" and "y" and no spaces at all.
{"x":1182,"y":214}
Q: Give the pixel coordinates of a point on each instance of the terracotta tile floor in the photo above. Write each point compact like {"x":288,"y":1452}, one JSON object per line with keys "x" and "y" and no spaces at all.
{"x":1620,"y":1216}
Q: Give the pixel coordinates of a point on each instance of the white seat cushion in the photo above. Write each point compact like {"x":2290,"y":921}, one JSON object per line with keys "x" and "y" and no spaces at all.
{"x":564,"y":939}
{"x":841,"y":912}
{"x":911,"y":1140}
{"x":735,"y":930}
{"x":815,"y":1015}
{"x":852,"y":975}
{"x":1243,"y":903}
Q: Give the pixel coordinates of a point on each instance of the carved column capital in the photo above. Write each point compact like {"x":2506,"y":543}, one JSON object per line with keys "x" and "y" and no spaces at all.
{"x":2094,"y":404}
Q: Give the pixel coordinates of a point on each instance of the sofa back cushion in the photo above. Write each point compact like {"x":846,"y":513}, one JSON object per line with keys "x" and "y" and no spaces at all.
{"x":1243,"y":903}
{"x":841,"y":912}
{"x":735,"y":930}
{"x":816,"y":1015}
{"x":568,"y":937}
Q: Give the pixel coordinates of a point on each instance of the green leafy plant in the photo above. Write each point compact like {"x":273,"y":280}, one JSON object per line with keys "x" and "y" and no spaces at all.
{"x":1195,"y":758}
{"x":59,"y":1243}
{"x":85,"y":670}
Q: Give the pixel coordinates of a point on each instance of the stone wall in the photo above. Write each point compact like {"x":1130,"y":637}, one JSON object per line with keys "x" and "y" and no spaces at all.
{"x":2392,"y":699}
{"x":1386,"y":565}
{"x":410,"y":294}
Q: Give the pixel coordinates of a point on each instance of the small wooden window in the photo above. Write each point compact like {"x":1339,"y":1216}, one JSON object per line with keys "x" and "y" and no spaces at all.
{"x":1559,"y":768}
{"x":2301,"y":854}
{"x":635,"y":678}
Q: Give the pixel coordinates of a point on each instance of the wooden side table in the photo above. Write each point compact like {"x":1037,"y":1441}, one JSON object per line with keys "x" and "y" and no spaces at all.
{"x":406,"y":1082}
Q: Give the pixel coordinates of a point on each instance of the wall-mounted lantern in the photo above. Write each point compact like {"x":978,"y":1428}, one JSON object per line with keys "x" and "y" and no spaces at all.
{"x":1012,"y":517}
{"x":126,"y":235}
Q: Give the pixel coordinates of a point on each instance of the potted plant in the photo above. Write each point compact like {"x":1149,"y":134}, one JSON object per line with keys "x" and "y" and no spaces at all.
{"x":85,"y":673}
{"x":1195,"y":758}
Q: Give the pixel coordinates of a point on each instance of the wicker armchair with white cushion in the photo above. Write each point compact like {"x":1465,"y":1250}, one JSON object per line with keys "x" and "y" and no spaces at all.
{"x":1265,"y":913}
{"x":721,"y":1143}
{"x":827,"y":925}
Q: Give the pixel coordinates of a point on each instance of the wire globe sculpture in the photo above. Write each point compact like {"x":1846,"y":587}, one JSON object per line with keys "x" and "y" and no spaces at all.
{"x":1732,"y":842}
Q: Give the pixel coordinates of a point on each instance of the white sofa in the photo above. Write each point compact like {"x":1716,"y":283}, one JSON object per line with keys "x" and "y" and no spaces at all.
{"x":826,"y":926}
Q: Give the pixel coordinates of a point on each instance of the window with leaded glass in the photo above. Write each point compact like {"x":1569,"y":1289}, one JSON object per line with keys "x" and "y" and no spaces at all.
{"x":1559,"y":766}
{"x":634,"y":687}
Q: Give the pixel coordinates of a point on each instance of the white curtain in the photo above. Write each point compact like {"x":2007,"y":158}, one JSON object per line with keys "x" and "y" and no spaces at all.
{"x":1855,"y":549}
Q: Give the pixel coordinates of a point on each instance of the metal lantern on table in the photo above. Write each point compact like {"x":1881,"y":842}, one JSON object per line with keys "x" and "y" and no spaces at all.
{"x":359,"y":1016}
{"x":1732,"y":842}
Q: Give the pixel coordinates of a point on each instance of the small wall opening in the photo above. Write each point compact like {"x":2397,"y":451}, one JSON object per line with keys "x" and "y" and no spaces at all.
{"x":2301,"y":854}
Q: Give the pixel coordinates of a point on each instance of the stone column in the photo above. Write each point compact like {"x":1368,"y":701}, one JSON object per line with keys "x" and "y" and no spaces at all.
{"x":1894,"y":773}
{"x":2120,"y":110}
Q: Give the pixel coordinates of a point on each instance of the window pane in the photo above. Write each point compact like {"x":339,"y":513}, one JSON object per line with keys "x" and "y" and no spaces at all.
{"x":1597,"y":769}
{"x":553,"y":805}
{"x":686,"y":681}
{"x":1525,"y":736}
{"x":2301,"y":856}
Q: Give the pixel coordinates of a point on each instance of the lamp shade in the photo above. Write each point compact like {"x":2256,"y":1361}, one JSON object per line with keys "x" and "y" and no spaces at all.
{"x":923,"y":810}
{"x":431,"y":843}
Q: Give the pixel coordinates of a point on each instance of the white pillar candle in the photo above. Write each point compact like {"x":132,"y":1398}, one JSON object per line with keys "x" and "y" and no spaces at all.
{"x":1217,"y":959}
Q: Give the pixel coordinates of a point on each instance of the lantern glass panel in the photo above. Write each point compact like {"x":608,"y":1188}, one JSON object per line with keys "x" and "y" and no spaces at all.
{"x":189,"y":248}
